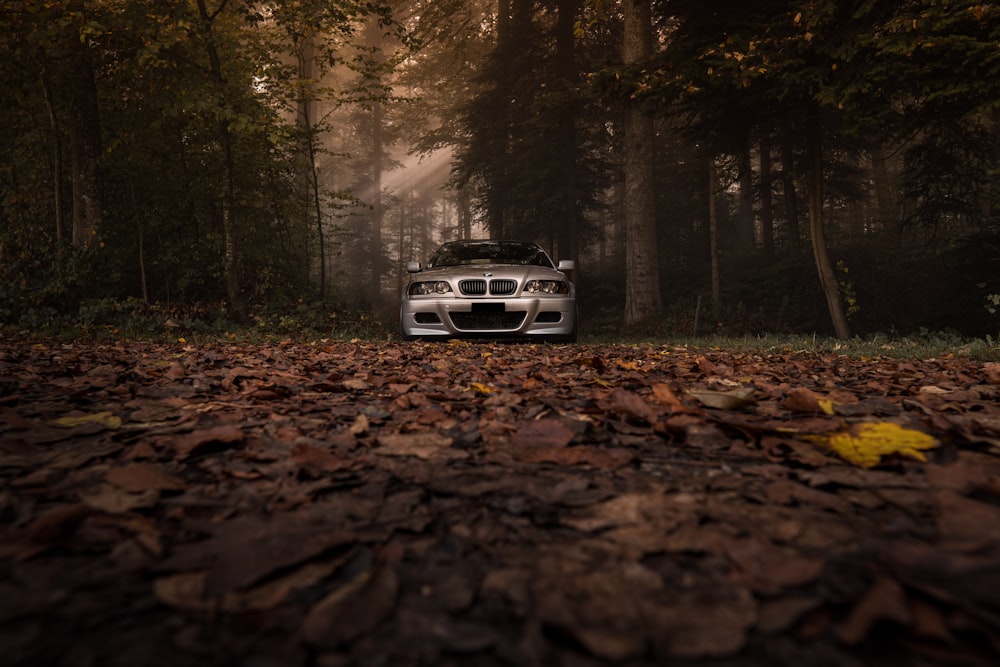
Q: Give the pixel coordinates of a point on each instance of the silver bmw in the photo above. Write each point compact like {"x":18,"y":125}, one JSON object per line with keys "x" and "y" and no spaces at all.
{"x":489,"y":288}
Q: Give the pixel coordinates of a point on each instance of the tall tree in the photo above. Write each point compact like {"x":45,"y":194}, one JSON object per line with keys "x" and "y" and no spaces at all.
{"x":566,"y":142}
{"x":642,"y":286}
{"x":817,"y":230}
{"x":227,"y":193}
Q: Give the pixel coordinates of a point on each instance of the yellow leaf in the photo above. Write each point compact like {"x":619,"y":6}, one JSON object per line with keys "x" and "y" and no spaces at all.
{"x":826,"y":405}
{"x":480,"y":388}
{"x":604,"y":383}
{"x":866,"y":444}
{"x":105,"y":419}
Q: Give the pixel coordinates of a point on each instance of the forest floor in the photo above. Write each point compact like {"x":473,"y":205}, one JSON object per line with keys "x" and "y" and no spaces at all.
{"x":495,"y":504}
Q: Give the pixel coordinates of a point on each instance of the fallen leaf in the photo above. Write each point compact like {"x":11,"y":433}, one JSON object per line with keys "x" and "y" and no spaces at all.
{"x":13,"y":420}
{"x":105,"y":419}
{"x":865,"y":444}
{"x":543,"y":433}
{"x":139,"y":477}
{"x":884,"y":601}
{"x":244,"y":550}
{"x":356,"y":384}
{"x":352,"y":609}
{"x":185,"y":591}
{"x":736,"y":399}
{"x":316,"y":460}
{"x":610,"y":459}
{"x":665,"y":396}
{"x":360,"y":425}
{"x":193,"y":442}
{"x":802,"y":399}
{"x":423,"y":445}
{"x":114,"y":500}
{"x":630,"y":404}
{"x":58,"y":523}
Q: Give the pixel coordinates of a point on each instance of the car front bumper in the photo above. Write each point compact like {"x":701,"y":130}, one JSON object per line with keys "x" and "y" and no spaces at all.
{"x":547,"y":317}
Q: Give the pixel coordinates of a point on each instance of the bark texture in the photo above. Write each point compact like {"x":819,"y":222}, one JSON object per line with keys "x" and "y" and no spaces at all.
{"x":642,"y":284}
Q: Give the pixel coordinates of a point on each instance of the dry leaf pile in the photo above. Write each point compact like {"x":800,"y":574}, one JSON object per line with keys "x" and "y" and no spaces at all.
{"x":445,"y":504}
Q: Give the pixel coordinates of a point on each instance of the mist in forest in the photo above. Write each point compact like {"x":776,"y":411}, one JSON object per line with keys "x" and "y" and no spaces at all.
{"x":712,"y":167}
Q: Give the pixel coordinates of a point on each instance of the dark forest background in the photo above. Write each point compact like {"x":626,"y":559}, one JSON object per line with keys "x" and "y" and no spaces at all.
{"x":822,"y":166}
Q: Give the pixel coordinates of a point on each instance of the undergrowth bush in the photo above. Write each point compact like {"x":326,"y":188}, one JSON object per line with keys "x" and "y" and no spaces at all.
{"x":131,"y":319}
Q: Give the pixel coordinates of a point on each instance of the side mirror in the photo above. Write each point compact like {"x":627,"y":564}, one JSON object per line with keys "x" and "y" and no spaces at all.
{"x":413,"y":267}
{"x":566,"y":265}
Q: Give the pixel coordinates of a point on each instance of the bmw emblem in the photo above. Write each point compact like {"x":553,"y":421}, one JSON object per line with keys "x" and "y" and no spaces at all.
{"x":488,"y":275}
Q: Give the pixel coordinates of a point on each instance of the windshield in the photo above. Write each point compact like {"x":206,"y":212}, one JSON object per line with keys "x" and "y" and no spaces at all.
{"x":463,"y":253}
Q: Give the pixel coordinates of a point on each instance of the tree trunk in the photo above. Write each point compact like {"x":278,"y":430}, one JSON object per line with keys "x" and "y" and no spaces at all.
{"x":306,"y":105}
{"x":885,"y":189}
{"x":824,"y":267}
{"x":57,"y":163}
{"x":567,"y":222}
{"x":642,"y":280}
{"x":766,"y":207}
{"x":745,"y":236}
{"x":713,"y":243}
{"x":378,"y":212}
{"x":85,"y":148}
{"x":374,"y":42}
{"x":464,"y":206}
{"x":237,"y":308}
{"x":790,"y":195}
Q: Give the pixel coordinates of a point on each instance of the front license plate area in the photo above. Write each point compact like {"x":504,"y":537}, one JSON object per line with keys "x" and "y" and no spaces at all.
{"x":488,"y":308}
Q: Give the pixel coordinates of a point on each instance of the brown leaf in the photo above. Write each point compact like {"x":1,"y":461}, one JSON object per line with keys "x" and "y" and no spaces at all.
{"x":736,"y":399}
{"x":543,"y":433}
{"x":699,"y":626}
{"x":961,"y":518}
{"x":360,"y":425}
{"x":176,"y":371}
{"x":706,"y":366}
{"x":630,"y":404}
{"x":610,"y":459}
{"x":139,"y":477}
{"x":246,"y":549}
{"x":627,"y":509}
{"x":59,"y":523}
{"x":184,"y":591}
{"x":13,"y":420}
{"x":885,"y":601}
{"x":353,"y":609}
{"x":665,"y":396}
{"x":316,"y":460}
{"x":114,"y":500}
{"x":802,"y":399}
{"x":193,"y":443}
{"x":768,"y":568}
{"x":421,"y":444}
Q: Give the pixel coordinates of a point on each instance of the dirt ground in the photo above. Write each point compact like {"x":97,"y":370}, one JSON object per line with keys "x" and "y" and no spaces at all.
{"x":493,"y":504}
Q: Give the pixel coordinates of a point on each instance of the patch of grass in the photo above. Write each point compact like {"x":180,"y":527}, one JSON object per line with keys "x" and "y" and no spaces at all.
{"x":112,"y":320}
{"x":924,"y":345}
{"x":108,"y":320}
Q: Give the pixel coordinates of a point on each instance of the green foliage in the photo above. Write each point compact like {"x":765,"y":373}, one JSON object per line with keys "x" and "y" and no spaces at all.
{"x":161,"y":112}
{"x":947,"y":175}
{"x":131,"y":319}
{"x":534,"y":137}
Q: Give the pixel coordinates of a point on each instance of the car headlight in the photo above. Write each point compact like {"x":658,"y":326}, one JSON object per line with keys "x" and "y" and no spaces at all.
{"x":546,"y":287}
{"x":436,"y":287}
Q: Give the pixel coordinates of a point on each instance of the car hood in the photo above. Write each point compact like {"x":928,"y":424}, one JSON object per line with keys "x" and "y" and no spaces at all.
{"x":519,"y":273}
